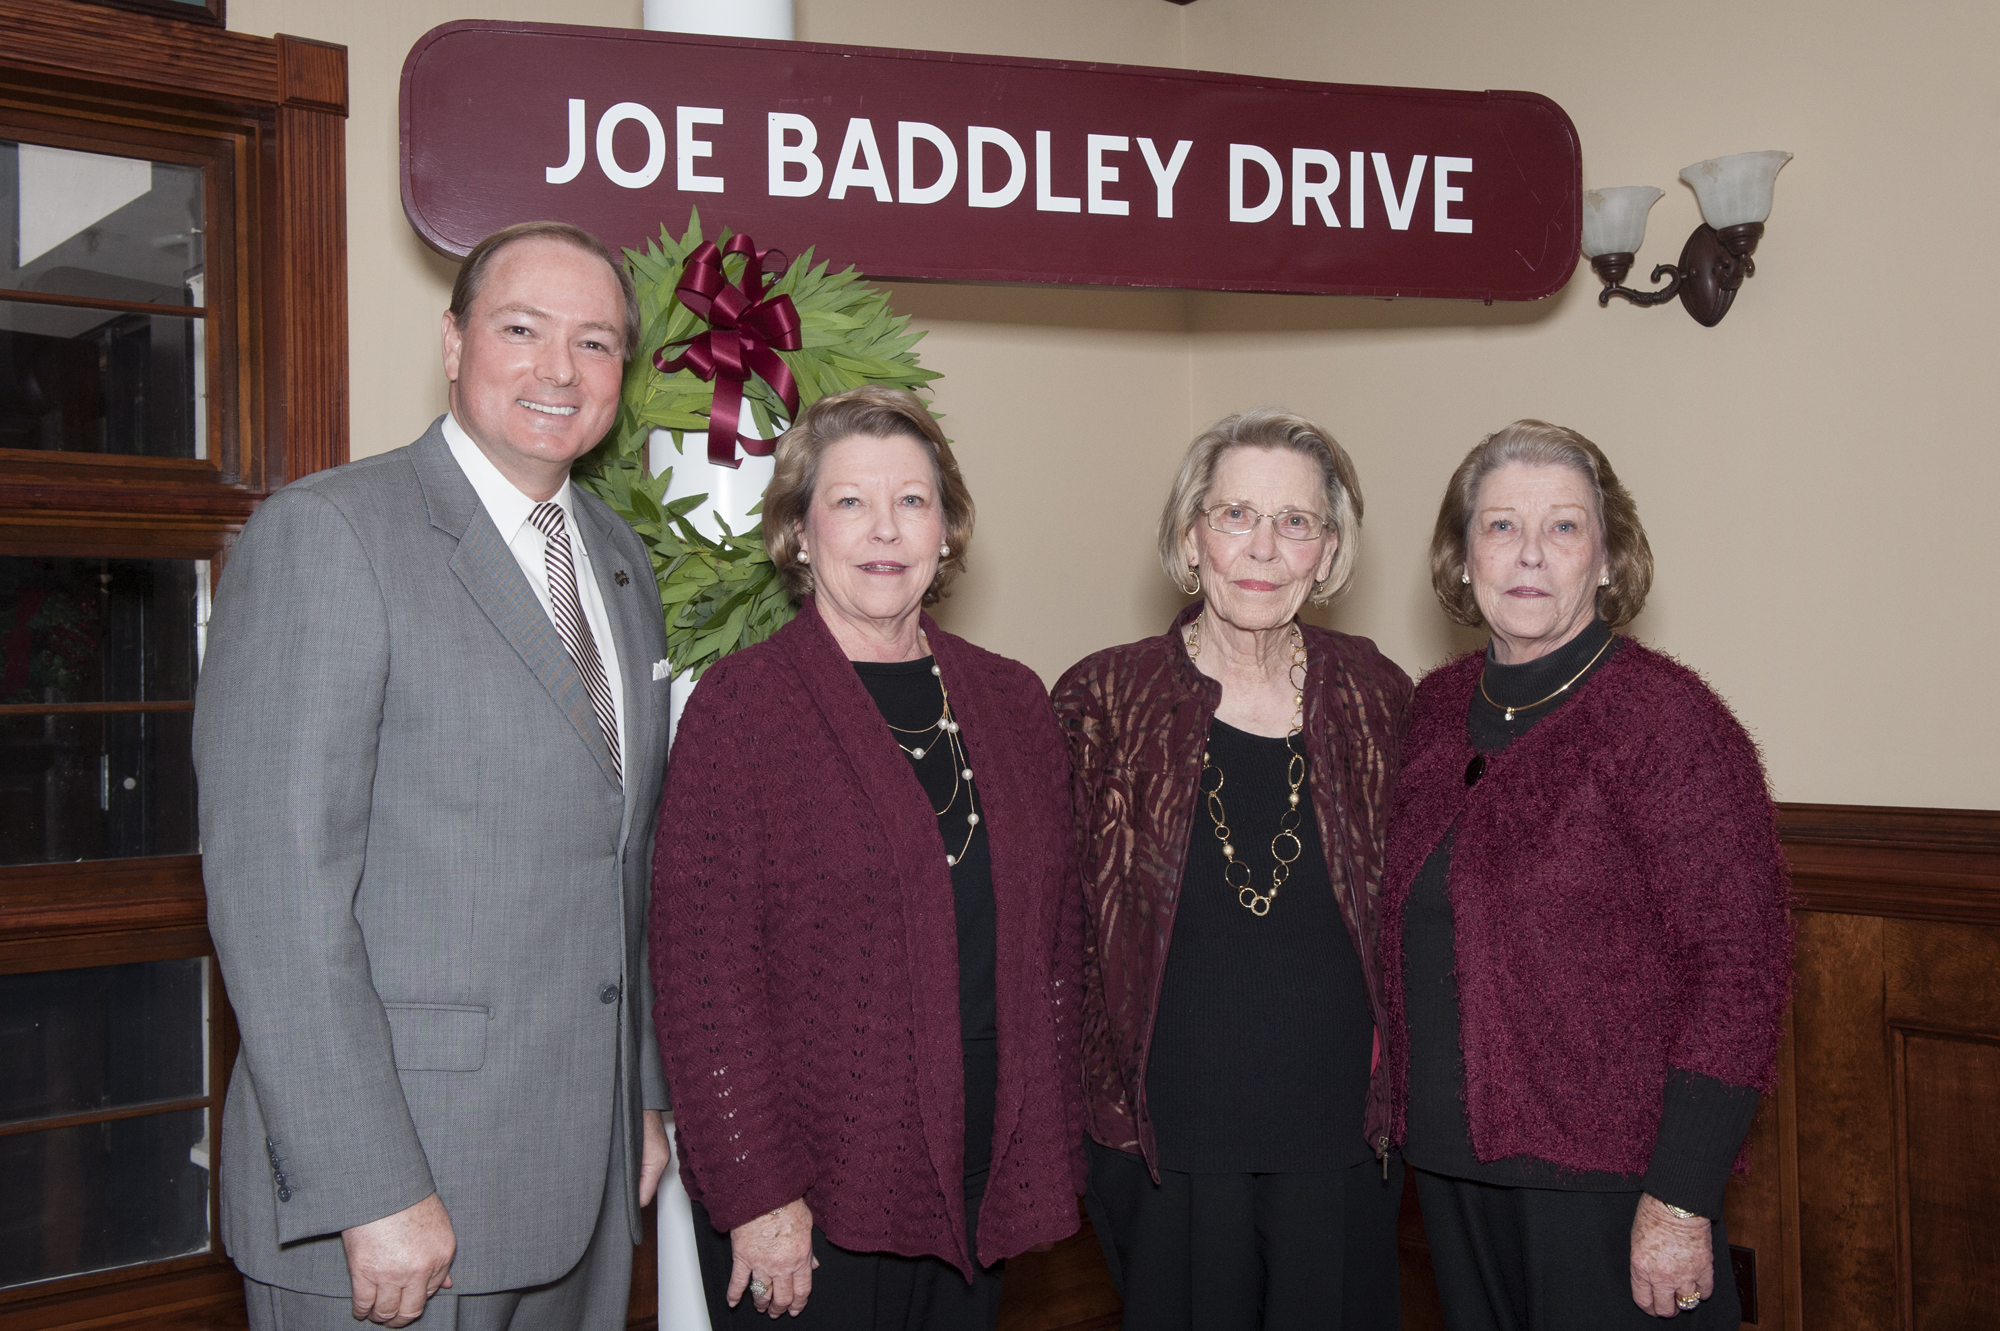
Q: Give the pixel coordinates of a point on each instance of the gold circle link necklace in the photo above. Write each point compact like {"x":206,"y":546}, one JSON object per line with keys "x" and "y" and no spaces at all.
{"x":1286,"y":847}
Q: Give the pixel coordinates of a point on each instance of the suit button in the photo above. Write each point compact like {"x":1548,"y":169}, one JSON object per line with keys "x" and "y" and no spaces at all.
{"x":608,"y":994}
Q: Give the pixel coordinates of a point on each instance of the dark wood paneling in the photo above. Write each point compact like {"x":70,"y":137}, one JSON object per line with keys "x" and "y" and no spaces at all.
{"x":219,"y":504}
{"x":1941,"y":976}
{"x":177,"y":535}
{"x":1948,"y":1099}
{"x":1896,"y":1073}
{"x":139,"y":51}
{"x":1914,"y":864}
{"x":307,"y":285}
{"x":1847,"y":1235}
{"x":209,"y":1298}
{"x":45,"y":901}
{"x":313,"y":74}
{"x":1759,"y":1204}
{"x":1067,"y":1287}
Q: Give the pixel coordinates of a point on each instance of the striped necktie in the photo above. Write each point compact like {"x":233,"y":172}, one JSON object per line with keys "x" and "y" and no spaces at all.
{"x":573,"y":628}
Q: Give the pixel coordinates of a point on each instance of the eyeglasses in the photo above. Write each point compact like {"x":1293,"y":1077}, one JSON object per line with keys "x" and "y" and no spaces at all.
{"x":1241,"y":520}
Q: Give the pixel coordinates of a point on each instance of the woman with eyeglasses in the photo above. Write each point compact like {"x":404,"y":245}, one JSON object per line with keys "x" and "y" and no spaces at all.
{"x":1233,"y":777}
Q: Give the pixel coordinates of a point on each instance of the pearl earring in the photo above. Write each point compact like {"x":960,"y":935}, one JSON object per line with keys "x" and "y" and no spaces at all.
{"x":1606,"y":582}
{"x":944,"y":552}
{"x":1465,"y":578}
{"x":804,"y":558}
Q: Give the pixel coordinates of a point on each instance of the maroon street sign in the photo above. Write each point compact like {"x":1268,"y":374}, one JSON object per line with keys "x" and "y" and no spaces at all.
{"x":919,"y":164}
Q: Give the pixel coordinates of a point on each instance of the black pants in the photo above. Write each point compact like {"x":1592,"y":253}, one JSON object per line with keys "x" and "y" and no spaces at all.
{"x":860,"y":1291}
{"x":1249,"y":1252}
{"x":1535,"y":1259}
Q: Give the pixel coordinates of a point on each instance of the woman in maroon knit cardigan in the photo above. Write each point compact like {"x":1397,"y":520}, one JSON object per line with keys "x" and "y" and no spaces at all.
{"x":866,"y":928}
{"x":1585,"y":929}
{"x":1233,"y":780}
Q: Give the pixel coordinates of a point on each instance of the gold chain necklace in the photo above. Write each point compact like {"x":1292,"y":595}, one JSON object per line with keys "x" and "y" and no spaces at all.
{"x":1259,"y":903}
{"x":1531,"y":706}
{"x":946,"y":732}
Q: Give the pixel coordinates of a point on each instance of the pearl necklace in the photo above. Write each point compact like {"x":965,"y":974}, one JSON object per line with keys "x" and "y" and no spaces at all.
{"x":945,"y":731}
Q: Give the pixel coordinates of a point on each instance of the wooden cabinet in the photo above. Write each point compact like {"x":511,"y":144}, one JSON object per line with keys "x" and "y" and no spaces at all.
{"x":173,"y":347}
{"x":1890,"y":1133}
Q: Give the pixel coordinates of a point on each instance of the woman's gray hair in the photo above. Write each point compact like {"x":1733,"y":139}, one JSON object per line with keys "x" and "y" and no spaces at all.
{"x":1539,"y":444}
{"x":1266,"y":427}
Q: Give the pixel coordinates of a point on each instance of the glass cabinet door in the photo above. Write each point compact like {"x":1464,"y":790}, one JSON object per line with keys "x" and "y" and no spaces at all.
{"x":97,"y":672}
{"x":102,"y":322}
{"x":104,"y":1117}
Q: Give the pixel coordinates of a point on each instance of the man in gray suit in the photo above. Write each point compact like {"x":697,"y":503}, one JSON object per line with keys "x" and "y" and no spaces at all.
{"x":430,"y":733}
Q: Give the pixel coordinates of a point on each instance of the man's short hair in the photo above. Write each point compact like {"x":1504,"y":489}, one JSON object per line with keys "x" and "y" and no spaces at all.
{"x":472,"y":273}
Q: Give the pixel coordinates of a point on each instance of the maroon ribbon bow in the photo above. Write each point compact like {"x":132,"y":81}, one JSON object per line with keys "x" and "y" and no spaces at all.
{"x":747,"y":330}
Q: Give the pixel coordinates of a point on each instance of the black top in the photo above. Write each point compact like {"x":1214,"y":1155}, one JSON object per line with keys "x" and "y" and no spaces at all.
{"x":911,"y":699}
{"x":1263,"y":1040}
{"x":1703,"y":1120}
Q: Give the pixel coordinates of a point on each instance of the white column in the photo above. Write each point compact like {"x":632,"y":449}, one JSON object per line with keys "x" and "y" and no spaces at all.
{"x":769,"y":19}
{"x":731,"y":493}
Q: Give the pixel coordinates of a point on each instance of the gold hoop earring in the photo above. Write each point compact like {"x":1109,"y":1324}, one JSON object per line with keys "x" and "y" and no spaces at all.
{"x":1194,"y":576}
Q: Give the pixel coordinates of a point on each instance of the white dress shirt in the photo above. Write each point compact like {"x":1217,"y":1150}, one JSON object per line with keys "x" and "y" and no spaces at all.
{"x":509,"y":509}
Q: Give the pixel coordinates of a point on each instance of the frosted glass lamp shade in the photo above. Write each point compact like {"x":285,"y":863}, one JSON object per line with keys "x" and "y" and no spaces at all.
{"x":1735,"y":190}
{"x":1614,"y":220}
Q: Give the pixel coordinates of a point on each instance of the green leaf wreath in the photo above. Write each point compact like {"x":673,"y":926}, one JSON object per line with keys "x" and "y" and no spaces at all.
{"x":723,"y":595}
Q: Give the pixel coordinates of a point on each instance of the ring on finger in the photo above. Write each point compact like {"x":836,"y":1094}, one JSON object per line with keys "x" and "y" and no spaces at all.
{"x":760,"y":1289}
{"x":1687,"y":1303}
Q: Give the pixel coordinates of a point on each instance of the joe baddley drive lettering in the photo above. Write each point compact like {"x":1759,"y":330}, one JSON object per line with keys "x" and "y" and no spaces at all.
{"x":931,"y":165}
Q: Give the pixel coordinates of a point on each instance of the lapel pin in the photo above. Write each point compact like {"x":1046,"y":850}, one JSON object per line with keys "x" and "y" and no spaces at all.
{"x":620,"y":578}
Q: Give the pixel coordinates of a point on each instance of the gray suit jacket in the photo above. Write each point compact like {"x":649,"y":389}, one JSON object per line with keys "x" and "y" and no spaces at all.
{"x":427,"y":891}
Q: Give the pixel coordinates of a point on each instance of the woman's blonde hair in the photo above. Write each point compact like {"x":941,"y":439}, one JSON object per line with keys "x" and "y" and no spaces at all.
{"x":1266,"y":427}
{"x":878,"y":413}
{"x":1539,"y":444}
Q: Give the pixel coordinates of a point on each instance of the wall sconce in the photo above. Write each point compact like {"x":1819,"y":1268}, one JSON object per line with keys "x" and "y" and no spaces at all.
{"x":1735,"y":197}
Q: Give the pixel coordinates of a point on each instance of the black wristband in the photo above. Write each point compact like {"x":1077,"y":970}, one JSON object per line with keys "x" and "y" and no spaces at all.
{"x":1703,"y":1122}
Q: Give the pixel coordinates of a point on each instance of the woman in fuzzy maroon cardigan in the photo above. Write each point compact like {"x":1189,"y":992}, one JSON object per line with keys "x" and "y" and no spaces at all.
{"x":1585,"y":930}
{"x":866,"y":926}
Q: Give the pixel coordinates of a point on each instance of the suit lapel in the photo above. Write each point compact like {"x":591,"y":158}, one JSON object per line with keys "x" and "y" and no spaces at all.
{"x":493,"y":577}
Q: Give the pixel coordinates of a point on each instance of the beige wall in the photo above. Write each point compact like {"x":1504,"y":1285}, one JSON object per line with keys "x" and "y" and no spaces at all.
{"x":1815,"y":473}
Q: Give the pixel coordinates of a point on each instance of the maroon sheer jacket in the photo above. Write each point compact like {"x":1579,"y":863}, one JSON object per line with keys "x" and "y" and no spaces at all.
{"x":1136,"y":718}
{"x":1621,"y":908}
{"x":805,"y":954}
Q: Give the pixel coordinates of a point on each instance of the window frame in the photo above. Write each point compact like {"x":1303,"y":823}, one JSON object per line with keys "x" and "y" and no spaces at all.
{"x":266,"y":118}
{"x":233,"y":459}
